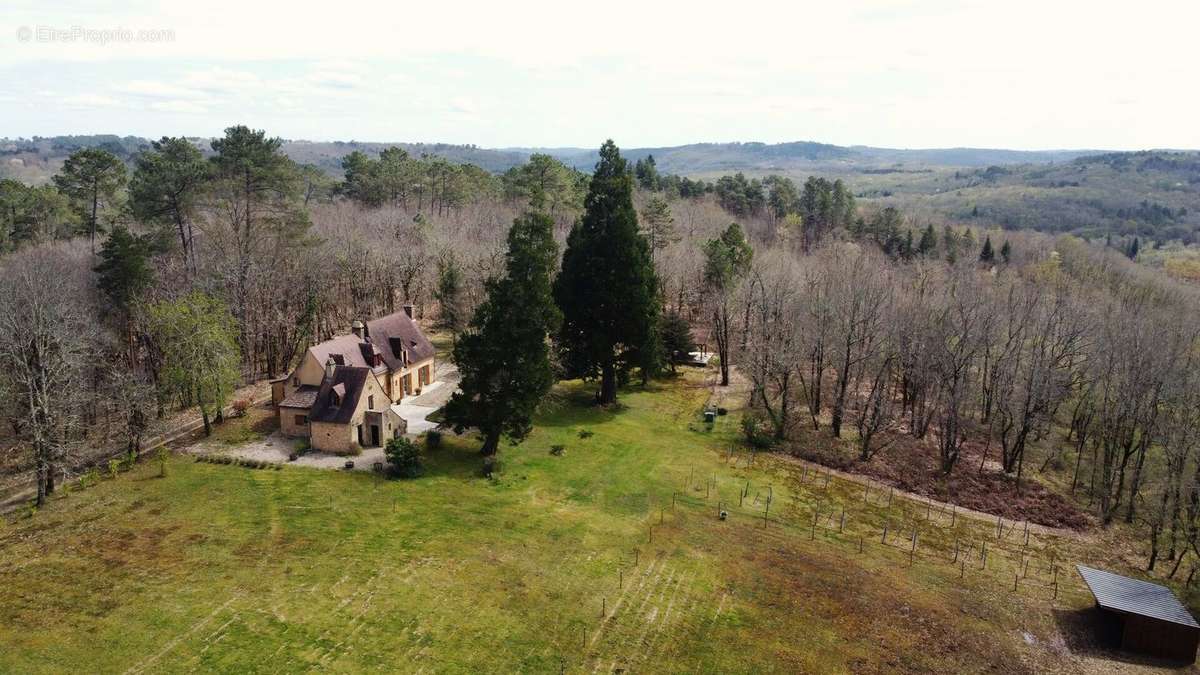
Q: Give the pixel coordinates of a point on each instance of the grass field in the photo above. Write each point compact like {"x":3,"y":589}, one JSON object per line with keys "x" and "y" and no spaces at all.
{"x":610,"y":557}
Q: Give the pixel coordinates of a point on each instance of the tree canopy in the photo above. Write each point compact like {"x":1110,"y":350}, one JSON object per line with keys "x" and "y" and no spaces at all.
{"x":504,"y":357}
{"x":607,"y":290}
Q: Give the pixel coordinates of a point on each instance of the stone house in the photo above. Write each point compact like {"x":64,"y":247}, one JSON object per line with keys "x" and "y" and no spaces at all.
{"x":346,"y":389}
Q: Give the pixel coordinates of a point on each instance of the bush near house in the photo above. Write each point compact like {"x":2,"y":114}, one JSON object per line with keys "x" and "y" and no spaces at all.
{"x":403,"y":456}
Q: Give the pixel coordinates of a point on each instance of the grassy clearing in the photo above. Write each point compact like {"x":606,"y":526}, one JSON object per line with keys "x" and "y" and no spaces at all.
{"x":575,"y":562}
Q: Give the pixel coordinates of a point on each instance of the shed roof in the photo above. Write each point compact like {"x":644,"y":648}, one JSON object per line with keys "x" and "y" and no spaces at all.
{"x":1133,"y":596}
{"x":303,"y":397}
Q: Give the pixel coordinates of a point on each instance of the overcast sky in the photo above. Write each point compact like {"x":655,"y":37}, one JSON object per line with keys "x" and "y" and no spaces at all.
{"x":896,"y":73}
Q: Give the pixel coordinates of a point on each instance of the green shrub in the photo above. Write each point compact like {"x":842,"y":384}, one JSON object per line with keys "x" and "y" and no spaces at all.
{"x":433,"y":439}
{"x":114,"y":466}
{"x":757,"y":431}
{"x":403,"y":456}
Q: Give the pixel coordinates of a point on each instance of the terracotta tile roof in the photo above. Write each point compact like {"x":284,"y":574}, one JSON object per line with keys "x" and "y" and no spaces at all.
{"x":350,"y":382}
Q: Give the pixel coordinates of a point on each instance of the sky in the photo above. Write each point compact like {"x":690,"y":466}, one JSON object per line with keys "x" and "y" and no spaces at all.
{"x":1048,"y":74}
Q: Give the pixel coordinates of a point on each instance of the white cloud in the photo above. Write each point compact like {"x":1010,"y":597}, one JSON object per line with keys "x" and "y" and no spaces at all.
{"x":1023,"y":73}
{"x":179,"y":106}
{"x":89,"y":101}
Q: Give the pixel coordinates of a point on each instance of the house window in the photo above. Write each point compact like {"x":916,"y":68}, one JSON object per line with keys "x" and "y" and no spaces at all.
{"x":407,"y":384}
{"x":423,"y":375}
{"x":301,"y":420}
{"x":371,"y":402}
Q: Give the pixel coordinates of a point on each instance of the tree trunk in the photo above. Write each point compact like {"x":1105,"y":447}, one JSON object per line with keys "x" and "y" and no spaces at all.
{"x":608,"y":383}
{"x":42,"y":472}
{"x":839,"y":404}
{"x":491,"y":443}
{"x":207,"y":424}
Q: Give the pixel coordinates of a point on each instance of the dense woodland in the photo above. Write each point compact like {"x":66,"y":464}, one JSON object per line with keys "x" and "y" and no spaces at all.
{"x":136,"y":285}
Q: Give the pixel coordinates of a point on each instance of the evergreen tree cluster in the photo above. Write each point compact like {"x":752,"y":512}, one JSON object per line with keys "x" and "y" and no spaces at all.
{"x":427,"y":182}
{"x":599,"y":316}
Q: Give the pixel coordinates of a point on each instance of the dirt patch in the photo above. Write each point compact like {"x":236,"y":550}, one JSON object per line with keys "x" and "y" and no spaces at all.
{"x":912,"y":465}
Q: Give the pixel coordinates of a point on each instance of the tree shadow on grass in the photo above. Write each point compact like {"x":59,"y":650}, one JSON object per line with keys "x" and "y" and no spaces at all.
{"x":574,"y":404}
{"x":457,"y":457}
{"x":1094,"y":633}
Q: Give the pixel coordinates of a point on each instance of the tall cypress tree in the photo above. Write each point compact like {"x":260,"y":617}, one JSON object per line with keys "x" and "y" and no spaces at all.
{"x":987,"y":255}
{"x":504,"y":357}
{"x":607,"y":289}
{"x":928,"y":242}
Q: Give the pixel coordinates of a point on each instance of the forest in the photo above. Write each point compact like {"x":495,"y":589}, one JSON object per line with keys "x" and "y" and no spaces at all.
{"x":1059,"y":370}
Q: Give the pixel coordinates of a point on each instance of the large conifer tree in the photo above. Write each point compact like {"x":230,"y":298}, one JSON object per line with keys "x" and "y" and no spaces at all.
{"x":504,"y":357}
{"x":607,"y":289}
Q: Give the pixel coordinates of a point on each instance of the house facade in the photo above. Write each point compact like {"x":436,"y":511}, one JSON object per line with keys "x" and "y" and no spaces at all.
{"x":345,"y":391}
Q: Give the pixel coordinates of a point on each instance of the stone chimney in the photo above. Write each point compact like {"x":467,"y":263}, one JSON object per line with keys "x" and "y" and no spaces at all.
{"x":358,"y":328}
{"x":329,"y":366}
{"x":408,"y":309}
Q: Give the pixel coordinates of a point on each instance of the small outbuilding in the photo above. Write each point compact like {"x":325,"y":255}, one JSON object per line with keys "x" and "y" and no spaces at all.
{"x":1152,"y":619}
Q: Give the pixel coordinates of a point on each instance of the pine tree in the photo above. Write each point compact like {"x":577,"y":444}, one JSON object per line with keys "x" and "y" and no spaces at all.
{"x":987,"y":255}
{"x":906,"y":247}
{"x":1006,"y":252}
{"x":607,"y":290}
{"x":504,"y":357}
{"x":124,"y":270}
{"x":928,"y":243}
{"x":92,"y":179}
{"x":658,"y":224}
{"x":166,"y":189}
{"x":449,"y":293}
{"x":1134,"y":247}
{"x":676,"y":335}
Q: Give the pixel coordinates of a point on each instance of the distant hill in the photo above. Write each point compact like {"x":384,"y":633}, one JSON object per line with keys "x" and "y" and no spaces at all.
{"x":328,"y":155}
{"x":34,"y":160}
{"x":699,"y":158}
{"x":707,"y":157}
{"x":1155,"y":194}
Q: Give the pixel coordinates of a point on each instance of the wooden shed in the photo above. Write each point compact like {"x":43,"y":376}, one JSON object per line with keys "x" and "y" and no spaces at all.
{"x":1152,"y":619}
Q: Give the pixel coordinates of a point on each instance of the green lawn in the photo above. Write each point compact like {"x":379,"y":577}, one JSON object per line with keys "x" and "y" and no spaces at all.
{"x":223,"y":568}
